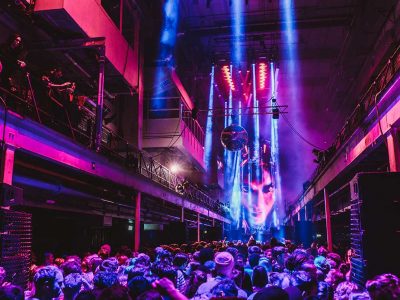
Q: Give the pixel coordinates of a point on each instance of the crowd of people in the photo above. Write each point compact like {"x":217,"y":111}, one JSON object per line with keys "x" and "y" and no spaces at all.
{"x":201,"y":270}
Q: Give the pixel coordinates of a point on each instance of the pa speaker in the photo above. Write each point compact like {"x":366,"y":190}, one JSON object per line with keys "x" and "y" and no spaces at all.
{"x":374,"y":225}
{"x":15,"y":245}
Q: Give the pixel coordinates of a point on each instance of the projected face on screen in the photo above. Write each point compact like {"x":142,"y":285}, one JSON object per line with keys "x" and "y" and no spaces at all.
{"x":258,"y":198}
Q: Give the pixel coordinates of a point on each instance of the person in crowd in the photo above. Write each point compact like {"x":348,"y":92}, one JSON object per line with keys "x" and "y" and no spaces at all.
{"x":49,"y":282}
{"x":11,"y":292}
{"x":259,"y":280}
{"x":72,"y":285}
{"x":271,"y":293}
{"x":224,"y":266}
{"x":12,"y":57}
{"x":385,"y":286}
{"x":208,"y":270}
{"x":48,"y":259}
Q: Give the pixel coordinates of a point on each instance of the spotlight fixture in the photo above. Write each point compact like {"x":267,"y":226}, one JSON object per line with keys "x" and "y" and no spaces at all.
{"x":262,"y":74}
{"x":275,"y":113}
{"x":228,"y":77}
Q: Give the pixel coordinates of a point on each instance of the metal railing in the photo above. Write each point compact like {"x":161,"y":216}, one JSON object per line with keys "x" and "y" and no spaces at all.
{"x":114,"y":147}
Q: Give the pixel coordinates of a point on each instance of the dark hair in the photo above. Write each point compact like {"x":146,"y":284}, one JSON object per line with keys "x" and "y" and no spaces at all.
{"x":225,"y":288}
{"x":138,"y":285}
{"x":325,"y":292}
{"x":271,"y":293}
{"x":115,"y":293}
{"x":254,"y":258}
{"x":45,"y":275}
{"x":103,"y":279}
{"x":259,"y":278}
{"x":11,"y":292}
{"x":384,"y":287}
{"x":303,"y":281}
{"x":109,"y":265}
{"x":180,"y":259}
{"x":164,"y":270}
{"x":206,"y":254}
{"x":295,"y":261}
{"x":70,"y":267}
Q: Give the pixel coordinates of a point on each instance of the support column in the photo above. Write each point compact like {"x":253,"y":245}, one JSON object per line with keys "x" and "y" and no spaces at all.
{"x":393,"y":144}
{"x":138,"y":200}
{"x":328,"y":221}
{"x":100,"y":101}
{"x":183,"y":213}
{"x":7,"y":164}
{"x":198,"y":227}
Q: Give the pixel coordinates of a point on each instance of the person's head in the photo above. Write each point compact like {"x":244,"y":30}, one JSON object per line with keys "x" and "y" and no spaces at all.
{"x":162,"y":270}
{"x":109,"y":265}
{"x":304,"y":282}
{"x":143,"y":260}
{"x":254,"y":258}
{"x":322,"y":264}
{"x":257,"y":197}
{"x":345,"y":289}
{"x":259,"y":277}
{"x":104,"y":251}
{"x":335,"y":257}
{"x":334,"y":277}
{"x":206,"y":254}
{"x":164,"y":257}
{"x":11,"y":292}
{"x":325,"y":291}
{"x":103,"y":279}
{"x":180,"y":260}
{"x":48,"y":258}
{"x":15,"y":41}
{"x":71,"y":266}
{"x":49,"y":282}
{"x":72,"y":285}
{"x":224,"y":264}
{"x":281,"y":280}
{"x":384,"y":287}
{"x":225,"y":288}
{"x":295,"y":260}
{"x":138,"y":285}
{"x":271,"y":293}
{"x":254,"y":249}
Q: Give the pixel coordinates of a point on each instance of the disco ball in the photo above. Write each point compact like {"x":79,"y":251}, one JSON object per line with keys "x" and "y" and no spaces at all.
{"x":234,"y":137}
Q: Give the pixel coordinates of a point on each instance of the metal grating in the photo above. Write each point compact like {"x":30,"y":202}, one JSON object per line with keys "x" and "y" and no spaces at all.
{"x":15,"y":245}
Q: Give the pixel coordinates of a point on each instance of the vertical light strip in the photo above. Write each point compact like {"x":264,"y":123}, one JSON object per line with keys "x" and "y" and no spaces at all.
{"x":209,"y":126}
{"x":279,"y":209}
{"x":256,"y":119}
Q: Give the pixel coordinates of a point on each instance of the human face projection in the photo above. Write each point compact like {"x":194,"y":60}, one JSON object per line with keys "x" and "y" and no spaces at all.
{"x":258,"y":198}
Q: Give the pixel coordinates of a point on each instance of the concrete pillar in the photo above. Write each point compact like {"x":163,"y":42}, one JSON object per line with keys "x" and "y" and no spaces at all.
{"x":7,"y":164}
{"x":138,"y":200}
{"x":328,"y":221}
{"x":393,"y":144}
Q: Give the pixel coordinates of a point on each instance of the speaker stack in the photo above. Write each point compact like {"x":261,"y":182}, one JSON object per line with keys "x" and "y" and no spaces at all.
{"x":374,"y":225}
{"x":15,"y":245}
